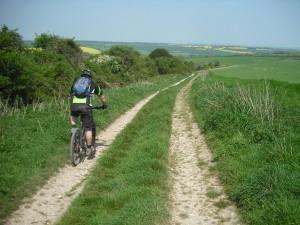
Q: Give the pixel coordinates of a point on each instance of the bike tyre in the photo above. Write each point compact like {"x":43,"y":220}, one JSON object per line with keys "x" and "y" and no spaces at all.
{"x":75,"y":147}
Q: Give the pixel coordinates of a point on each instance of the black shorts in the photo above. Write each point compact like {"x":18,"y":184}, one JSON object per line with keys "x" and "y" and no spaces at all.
{"x":86,"y":114}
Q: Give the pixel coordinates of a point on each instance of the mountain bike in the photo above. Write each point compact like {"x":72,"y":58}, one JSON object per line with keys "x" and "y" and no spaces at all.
{"x":78,"y":145}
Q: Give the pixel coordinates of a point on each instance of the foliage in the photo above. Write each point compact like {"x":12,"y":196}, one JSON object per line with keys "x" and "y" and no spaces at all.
{"x":30,"y":76}
{"x":169,"y":65}
{"x":159,"y":52}
{"x":10,"y":39}
{"x":124,"y":65}
{"x":64,"y":46}
{"x":37,"y":74}
{"x":253,"y":129}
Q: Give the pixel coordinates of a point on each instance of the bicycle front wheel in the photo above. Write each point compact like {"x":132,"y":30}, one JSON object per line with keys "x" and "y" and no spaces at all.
{"x":75,"y":147}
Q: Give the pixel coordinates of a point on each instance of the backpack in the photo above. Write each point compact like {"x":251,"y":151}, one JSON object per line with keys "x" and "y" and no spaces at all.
{"x":82,"y":86}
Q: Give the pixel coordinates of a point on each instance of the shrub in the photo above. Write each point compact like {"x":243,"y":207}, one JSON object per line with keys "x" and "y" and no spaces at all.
{"x":159,"y":52}
{"x":64,"y":46}
{"x":10,"y":39}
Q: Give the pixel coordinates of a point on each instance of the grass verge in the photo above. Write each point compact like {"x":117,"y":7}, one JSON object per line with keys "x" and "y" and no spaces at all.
{"x":34,"y":139}
{"x":253,"y":129}
{"x":129,"y":183}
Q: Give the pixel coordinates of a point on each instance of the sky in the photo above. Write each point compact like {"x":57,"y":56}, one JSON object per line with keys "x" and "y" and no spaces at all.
{"x":266,"y":23}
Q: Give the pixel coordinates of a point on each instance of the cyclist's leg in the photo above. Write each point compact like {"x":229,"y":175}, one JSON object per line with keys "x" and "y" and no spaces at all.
{"x":93,"y":130}
{"x":74,"y":114}
{"x":73,"y":120}
{"x":87,"y":123}
{"x":94,"y":135}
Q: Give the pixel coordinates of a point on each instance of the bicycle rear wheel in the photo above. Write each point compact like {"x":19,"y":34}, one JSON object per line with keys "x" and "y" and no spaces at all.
{"x":75,"y":147}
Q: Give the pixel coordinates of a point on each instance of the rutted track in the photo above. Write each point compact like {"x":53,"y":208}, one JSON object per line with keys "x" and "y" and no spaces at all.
{"x":53,"y":199}
{"x":196,"y":194}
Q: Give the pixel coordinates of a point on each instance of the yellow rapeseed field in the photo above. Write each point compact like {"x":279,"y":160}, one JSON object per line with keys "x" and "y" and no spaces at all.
{"x":90,"y":50}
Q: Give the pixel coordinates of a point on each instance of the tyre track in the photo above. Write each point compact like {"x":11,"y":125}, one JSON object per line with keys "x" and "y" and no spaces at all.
{"x":50,"y":202}
{"x":53,"y":199}
{"x":196,"y":194}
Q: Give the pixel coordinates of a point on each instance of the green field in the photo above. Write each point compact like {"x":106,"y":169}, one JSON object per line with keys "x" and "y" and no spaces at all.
{"x":249,"y":113}
{"x":253,"y":130}
{"x":282,"y":69}
{"x":256,"y":67}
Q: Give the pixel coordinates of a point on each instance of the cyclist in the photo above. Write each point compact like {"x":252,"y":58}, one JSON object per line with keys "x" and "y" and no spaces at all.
{"x":81,"y":105}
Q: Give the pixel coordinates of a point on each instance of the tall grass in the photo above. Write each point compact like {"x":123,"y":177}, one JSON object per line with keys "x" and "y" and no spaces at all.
{"x":19,"y":109}
{"x":253,"y":129}
{"x":256,"y":100}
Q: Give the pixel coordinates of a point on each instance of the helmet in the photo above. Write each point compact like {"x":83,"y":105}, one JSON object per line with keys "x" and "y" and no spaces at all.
{"x":86,"y":72}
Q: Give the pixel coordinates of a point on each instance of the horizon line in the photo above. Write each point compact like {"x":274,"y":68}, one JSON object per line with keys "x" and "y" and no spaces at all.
{"x":191,"y":43}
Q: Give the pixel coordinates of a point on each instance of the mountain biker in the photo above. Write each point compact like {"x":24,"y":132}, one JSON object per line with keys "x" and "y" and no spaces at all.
{"x":82,"y":106}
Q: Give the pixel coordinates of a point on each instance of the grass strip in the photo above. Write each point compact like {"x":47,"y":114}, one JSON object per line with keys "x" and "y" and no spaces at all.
{"x":129,"y":183}
{"x":34,"y":139}
{"x":253,"y":129}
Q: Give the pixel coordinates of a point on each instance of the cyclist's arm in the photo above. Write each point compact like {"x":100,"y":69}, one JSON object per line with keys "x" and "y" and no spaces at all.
{"x":100,"y":94}
{"x":103,"y":99}
{"x":71,"y":89}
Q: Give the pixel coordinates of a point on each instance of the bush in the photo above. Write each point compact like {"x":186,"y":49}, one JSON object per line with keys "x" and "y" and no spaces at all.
{"x":38,"y":74}
{"x":10,"y":39}
{"x":64,"y":46}
{"x":216,"y":63}
{"x":173,"y":65}
{"x":14,"y":76}
{"x":29,"y":75}
{"x":159,"y":52}
{"x":34,"y":76}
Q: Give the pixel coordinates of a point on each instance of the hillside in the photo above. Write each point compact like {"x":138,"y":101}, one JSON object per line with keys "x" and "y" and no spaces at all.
{"x":191,"y":50}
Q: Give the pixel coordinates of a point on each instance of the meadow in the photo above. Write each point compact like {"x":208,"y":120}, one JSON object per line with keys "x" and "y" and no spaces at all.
{"x":252,"y":127}
{"x":256,"y":67}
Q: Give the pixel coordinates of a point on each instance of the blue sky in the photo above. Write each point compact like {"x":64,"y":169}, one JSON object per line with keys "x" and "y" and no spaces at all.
{"x":274,"y":23}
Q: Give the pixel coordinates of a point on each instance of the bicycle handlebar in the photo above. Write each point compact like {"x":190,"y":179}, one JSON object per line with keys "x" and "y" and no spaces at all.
{"x":100,"y":107}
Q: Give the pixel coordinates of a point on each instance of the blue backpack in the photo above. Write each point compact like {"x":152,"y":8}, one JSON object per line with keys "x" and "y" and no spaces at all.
{"x":82,"y":87}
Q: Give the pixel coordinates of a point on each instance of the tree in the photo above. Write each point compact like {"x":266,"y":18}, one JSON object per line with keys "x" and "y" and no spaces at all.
{"x":159,"y":52}
{"x":127,"y":55}
{"x":10,"y":39}
{"x":45,"y":41}
{"x":216,"y":63}
{"x":63,"y":46}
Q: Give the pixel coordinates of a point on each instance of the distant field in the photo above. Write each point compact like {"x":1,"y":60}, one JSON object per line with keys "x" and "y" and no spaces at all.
{"x":281,"y":69}
{"x":225,"y":60}
{"x":193,"y":50}
{"x":90,"y":50}
{"x":189,"y":50}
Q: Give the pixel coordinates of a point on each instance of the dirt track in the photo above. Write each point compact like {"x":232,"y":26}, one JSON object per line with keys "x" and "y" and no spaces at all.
{"x":190,"y":177}
{"x":52,"y":200}
{"x":196,"y":194}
